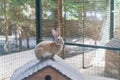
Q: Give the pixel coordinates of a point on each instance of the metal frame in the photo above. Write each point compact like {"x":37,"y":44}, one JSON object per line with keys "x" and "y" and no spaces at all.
{"x":93,"y":46}
{"x":38,"y":21}
{"x":111,"y":19}
{"x":39,"y":27}
{"x":83,"y":29}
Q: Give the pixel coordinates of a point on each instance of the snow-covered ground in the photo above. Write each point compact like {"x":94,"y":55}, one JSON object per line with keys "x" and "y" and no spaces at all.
{"x":14,"y":47}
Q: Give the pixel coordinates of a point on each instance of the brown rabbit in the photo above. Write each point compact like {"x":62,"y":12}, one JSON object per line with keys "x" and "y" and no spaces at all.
{"x":49,"y":48}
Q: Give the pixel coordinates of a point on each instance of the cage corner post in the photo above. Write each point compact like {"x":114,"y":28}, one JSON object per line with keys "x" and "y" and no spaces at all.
{"x":38,"y":4}
{"x":111,"y":19}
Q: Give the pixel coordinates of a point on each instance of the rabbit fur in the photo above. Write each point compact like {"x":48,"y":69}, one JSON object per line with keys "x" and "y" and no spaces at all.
{"x":47,"y":49}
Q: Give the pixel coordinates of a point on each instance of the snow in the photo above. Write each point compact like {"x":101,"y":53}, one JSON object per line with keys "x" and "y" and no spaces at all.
{"x":32,"y":43}
{"x":14,"y":47}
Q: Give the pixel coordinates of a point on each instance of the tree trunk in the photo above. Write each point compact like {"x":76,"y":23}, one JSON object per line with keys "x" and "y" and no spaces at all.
{"x":15,"y":33}
{"x":6,"y":46}
{"x":20,"y":38}
{"x":20,"y":42}
{"x":55,"y":13}
{"x":59,"y":17}
{"x":60,"y":23}
{"x":27,"y":39}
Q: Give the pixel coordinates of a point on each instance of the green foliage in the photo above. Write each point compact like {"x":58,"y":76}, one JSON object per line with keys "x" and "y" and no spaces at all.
{"x":15,"y":13}
{"x":117,"y":4}
{"x":49,"y":4}
{"x":18,"y":3}
{"x":1,"y":8}
{"x":75,"y":9}
{"x":16,"y":7}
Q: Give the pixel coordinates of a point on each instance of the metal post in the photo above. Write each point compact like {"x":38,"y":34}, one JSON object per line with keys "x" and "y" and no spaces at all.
{"x":111,"y":19}
{"x":38,"y":21}
{"x":83,"y":18}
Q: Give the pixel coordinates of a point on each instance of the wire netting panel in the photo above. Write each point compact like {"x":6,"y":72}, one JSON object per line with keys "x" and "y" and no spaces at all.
{"x":95,"y":64}
{"x":117,"y":19}
{"x":17,"y":34}
{"x":85,"y":24}
{"x":83,"y":21}
{"x":17,"y":26}
{"x":92,"y":23}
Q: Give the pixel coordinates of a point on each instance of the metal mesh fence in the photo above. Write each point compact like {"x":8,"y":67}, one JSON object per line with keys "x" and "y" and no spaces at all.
{"x":116,"y":12}
{"x":17,"y":34}
{"x":17,"y":26}
{"x":86,"y":32}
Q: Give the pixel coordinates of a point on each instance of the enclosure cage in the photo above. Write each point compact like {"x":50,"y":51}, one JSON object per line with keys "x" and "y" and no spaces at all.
{"x":90,"y":29}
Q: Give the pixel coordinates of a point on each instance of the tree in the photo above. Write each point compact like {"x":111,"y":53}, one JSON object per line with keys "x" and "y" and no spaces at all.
{"x":6,"y":46}
{"x":15,"y":18}
{"x":20,"y":16}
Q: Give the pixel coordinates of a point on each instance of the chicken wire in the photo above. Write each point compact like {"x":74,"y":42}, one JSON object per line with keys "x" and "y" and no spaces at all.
{"x":91,"y":26}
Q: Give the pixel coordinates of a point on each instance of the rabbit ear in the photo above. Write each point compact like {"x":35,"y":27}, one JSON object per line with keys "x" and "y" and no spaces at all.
{"x":54,"y":33}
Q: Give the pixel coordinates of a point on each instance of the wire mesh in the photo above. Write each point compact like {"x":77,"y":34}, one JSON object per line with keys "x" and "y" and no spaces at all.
{"x":20,"y":20}
{"x":20,"y":16}
{"x":116,"y":12}
{"x":90,"y":25}
{"x":85,"y":22}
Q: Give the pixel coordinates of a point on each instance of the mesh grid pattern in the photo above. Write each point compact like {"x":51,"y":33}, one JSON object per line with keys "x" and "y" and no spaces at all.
{"x":87,"y":23}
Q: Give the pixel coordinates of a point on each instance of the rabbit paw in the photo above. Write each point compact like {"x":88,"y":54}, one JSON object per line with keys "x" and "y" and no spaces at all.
{"x":52,"y":57}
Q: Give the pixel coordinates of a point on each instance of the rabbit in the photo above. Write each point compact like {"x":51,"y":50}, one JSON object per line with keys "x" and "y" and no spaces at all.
{"x":47,"y":49}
